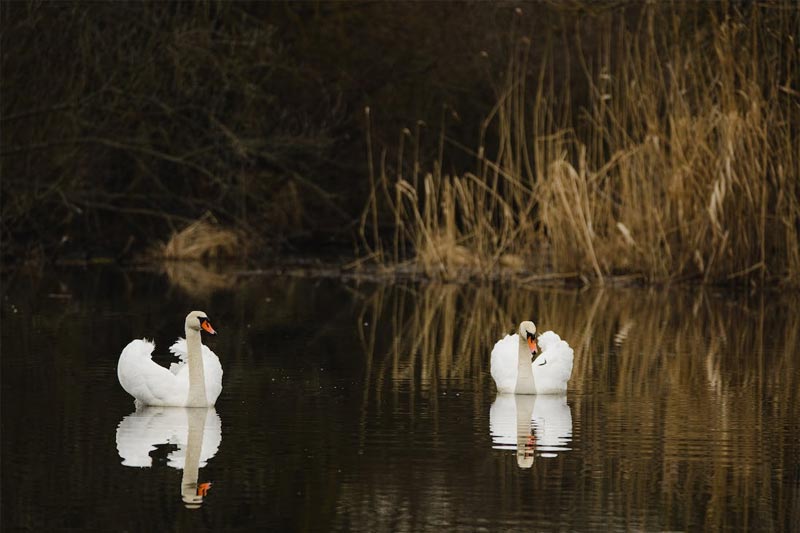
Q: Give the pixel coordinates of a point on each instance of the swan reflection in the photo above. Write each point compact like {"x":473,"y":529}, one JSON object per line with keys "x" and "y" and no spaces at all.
{"x":531,"y":425}
{"x":196,"y":431}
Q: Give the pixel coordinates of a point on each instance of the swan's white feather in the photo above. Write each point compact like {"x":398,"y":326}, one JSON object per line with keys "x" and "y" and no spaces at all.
{"x":551,"y":369}
{"x":142,"y":378}
{"x":152,"y":384}
{"x":504,"y":363}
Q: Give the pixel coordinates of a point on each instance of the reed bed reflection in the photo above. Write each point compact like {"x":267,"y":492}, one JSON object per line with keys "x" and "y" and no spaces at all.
{"x":685,"y":401}
{"x":197,"y":278}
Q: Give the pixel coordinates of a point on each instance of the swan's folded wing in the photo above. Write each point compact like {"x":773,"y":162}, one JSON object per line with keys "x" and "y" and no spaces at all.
{"x":213,"y":374}
{"x":558,"y":354}
{"x":504,"y":362}
{"x":141,"y":377}
{"x":180,"y":351}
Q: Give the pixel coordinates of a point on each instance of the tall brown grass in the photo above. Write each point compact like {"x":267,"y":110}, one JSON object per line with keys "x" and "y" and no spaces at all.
{"x":682,"y":165}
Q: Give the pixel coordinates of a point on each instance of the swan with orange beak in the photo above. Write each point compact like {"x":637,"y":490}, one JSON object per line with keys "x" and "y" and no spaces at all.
{"x":194,"y":381}
{"x":515,"y":371}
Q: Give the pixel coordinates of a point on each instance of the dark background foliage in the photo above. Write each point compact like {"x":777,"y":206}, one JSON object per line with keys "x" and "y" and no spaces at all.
{"x":122,"y":122}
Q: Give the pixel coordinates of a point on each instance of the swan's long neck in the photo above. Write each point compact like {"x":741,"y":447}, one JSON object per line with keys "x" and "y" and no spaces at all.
{"x":525,"y":383}
{"x":197,"y":379}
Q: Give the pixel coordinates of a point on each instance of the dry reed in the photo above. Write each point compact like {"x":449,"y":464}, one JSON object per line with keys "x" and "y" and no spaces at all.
{"x":202,"y":239}
{"x":683,"y":165}
{"x":686,"y":168}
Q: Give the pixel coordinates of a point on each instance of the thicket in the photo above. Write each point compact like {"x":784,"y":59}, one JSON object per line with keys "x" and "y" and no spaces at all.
{"x":653,"y":139}
{"x":122,"y":122}
{"x":682,"y":162}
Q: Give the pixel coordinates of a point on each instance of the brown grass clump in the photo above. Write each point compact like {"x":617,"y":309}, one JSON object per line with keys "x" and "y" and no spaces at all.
{"x":451,"y":227}
{"x":690,"y":168}
{"x":441,"y":254}
{"x":202,"y":239}
{"x":683,"y":165}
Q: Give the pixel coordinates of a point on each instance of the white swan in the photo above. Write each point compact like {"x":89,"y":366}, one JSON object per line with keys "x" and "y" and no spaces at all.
{"x":513,"y":371}
{"x":195,"y":381}
{"x":530,"y":424}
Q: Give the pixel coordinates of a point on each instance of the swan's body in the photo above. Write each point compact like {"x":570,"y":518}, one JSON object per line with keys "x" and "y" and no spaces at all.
{"x":194,"y":381}
{"x":513,"y":371}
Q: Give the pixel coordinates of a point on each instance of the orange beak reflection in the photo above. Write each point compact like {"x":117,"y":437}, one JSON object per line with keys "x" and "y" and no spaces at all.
{"x":532,"y":345}
{"x":206,"y":325}
{"x":202,"y":488}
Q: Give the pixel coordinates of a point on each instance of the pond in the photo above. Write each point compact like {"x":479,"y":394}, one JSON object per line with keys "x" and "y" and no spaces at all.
{"x":360,"y":406}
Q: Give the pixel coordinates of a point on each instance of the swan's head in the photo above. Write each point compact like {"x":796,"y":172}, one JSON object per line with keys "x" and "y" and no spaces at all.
{"x":198,"y":320}
{"x":527,"y":330}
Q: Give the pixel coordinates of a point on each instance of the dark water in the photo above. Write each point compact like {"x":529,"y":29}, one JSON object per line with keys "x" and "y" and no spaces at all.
{"x":360,"y":407}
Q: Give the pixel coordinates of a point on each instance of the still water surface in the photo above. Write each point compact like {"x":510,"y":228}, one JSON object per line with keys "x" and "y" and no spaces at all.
{"x":368,"y":407}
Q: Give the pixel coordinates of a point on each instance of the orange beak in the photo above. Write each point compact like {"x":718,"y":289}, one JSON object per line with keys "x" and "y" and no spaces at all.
{"x":532,"y":345}
{"x":206,"y":325}
{"x":202,"y":488}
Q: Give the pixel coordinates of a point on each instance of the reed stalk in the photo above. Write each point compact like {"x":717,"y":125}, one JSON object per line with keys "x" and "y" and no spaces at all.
{"x":683,"y":164}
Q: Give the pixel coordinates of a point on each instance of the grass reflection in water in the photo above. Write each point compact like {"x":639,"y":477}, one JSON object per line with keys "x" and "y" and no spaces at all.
{"x":368,"y":407}
{"x":675,"y":393}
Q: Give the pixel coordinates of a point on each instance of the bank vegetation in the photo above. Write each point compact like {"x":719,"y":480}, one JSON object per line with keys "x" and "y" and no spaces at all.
{"x":581,"y":141}
{"x":683,"y":164}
